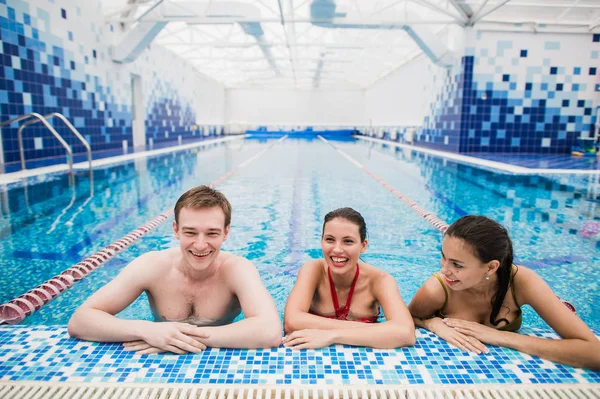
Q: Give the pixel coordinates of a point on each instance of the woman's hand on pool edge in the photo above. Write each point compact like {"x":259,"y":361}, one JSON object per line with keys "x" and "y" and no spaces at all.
{"x":477,"y":331}
{"x":457,"y":338}
{"x":309,"y":339}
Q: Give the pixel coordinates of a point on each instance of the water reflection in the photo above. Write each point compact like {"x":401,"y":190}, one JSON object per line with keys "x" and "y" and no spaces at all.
{"x":568,"y":204}
{"x":48,"y":225}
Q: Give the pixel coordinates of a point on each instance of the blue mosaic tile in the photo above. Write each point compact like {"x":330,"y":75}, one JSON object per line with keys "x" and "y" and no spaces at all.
{"x":44,"y":353}
{"x":502,"y":99}
{"x":67,"y":69}
{"x":536,"y":161}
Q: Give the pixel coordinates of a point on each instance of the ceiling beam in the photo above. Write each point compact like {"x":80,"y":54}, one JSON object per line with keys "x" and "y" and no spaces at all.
{"x":148,"y":11}
{"x":288,"y":30}
{"x":123,"y":11}
{"x":565,"y":12}
{"x":595,"y":23}
{"x":203,"y":20}
{"x":168,"y":32}
{"x":240,"y":60}
{"x":305,"y":71}
{"x":220,"y":44}
{"x":267,"y":6}
{"x":466,"y":14}
{"x":382,"y":9}
{"x":479,"y":15}
{"x":539,"y":26}
{"x":479,"y":10}
{"x":282,"y":20}
{"x":550,"y":5}
{"x":457,"y":18}
{"x":541,"y":23}
{"x":260,"y":59}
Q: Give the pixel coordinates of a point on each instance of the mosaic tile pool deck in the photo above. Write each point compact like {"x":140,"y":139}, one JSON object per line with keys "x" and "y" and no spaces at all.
{"x":539,"y":161}
{"x":47,"y":353}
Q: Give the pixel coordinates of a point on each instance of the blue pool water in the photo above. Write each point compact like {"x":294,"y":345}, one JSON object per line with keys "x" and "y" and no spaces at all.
{"x":279,"y":202}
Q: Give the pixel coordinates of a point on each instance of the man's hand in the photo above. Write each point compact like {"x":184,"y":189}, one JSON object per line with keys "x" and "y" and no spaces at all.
{"x":172,"y":337}
{"x":140,"y":348}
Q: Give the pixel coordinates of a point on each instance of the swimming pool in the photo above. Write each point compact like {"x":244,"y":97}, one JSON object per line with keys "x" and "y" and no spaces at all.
{"x":279,"y":201}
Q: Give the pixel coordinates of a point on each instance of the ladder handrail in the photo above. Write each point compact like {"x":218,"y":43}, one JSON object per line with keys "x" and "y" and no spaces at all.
{"x":49,"y":127}
{"x":71,"y":128}
{"x":20,"y":118}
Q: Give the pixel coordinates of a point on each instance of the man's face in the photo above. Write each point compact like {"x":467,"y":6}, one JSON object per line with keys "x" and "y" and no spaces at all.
{"x":201,"y":232}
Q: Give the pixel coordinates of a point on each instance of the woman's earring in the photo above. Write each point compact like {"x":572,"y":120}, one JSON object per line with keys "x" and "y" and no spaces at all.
{"x":487,"y":277}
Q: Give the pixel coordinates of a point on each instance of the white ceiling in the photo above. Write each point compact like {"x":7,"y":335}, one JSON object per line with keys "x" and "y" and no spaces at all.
{"x":295,"y":53}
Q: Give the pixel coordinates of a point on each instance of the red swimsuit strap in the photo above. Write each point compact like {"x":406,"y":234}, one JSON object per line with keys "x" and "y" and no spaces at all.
{"x":342,"y":312}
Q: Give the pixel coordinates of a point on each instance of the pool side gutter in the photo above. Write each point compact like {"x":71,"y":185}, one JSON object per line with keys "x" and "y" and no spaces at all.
{"x":34,"y":390}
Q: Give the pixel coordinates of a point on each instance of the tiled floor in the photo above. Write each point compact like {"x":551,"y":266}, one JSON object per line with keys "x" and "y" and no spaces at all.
{"x":522,"y":164}
{"x":82,"y":156}
{"x":539,"y":161}
{"x":49,"y":167}
{"x":48,"y":354}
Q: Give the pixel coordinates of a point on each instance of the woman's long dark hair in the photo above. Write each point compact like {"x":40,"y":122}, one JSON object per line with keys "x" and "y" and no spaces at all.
{"x":350,"y":215}
{"x":490,"y":241}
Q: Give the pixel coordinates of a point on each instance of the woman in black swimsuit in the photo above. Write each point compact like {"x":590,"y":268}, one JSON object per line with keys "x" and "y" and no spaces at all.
{"x":476,"y":299}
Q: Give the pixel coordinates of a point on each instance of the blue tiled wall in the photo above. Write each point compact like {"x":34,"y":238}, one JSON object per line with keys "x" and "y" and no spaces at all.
{"x":513,"y":93}
{"x":442,"y":126}
{"x":55,"y":57}
{"x":38,"y":75}
{"x":168,"y":118}
{"x":528,"y":96}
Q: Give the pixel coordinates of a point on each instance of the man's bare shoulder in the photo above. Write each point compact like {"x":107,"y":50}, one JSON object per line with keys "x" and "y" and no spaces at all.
{"x":236,"y":272}
{"x":235,"y":264}
{"x":155,"y":262}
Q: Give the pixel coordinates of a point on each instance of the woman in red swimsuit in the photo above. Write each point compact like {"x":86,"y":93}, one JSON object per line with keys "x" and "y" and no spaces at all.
{"x":337,"y":299}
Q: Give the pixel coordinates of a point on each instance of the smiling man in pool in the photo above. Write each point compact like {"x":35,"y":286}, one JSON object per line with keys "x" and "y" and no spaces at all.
{"x":196,"y":291}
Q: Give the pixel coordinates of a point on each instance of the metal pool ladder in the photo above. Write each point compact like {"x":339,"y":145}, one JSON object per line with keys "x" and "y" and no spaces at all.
{"x":34,"y":117}
{"x":33,"y":390}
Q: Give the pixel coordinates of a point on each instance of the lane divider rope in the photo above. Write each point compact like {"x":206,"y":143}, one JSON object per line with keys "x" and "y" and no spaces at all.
{"x":428,"y":216}
{"x":17,"y":309}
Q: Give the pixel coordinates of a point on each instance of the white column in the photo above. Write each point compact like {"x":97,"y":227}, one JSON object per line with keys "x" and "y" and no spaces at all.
{"x":138,"y":114}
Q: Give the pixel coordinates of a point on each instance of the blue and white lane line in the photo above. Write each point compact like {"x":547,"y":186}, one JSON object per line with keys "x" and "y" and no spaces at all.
{"x":428,"y":216}
{"x":15,"y":310}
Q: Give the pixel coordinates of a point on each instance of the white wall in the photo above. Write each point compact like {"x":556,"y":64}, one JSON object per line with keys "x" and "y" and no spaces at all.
{"x":399,"y":98}
{"x":184,"y":83}
{"x":405,"y":96}
{"x":210,"y":106}
{"x":295,"y":107}
{"x":164,"y":75}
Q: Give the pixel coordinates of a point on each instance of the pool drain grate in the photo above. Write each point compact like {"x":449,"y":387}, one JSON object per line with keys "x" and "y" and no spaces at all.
{"x":35,"y":390}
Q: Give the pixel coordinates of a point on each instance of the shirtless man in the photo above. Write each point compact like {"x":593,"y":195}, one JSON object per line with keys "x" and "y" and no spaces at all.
{"x":196,"y":290}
